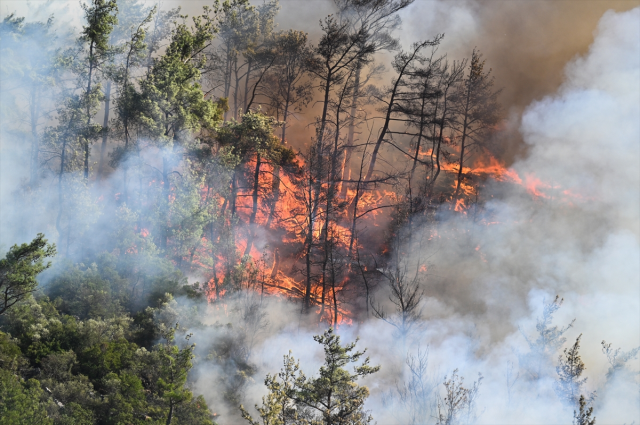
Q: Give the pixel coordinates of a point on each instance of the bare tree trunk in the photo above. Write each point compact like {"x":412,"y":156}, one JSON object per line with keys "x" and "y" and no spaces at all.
{"x":352,"y":128}
{"x":236,"y":88}
{"x":246,"y":84}
{"x":464,"y":137}
{"x":35,"y":142}
{"x":285,"y":114}
{"x":392,"y":100}
{"x":170,"y":417}
{"x":254,"y":210}
{"x":62,"y":160}
{"x":86,"y":141}
{"x":275,"y":190}
{"x":276,"y":264}
{"x":309,"y":243}
{"x":165,"y":213}
{"x":214,"y":259}
{"x":105,"y":135}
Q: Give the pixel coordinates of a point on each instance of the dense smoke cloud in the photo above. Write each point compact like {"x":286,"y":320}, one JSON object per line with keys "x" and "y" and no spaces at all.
{"x":580,"y":239}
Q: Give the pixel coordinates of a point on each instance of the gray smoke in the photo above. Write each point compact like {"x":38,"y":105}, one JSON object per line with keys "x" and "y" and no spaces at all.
{"x":580,"y":238}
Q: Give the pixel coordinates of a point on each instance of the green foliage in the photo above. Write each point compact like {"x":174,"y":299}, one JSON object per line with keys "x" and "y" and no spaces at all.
{"x":584,"y":414}
{"x":92,"y":372}
{"x":458,"y":403}
{"x":173,"y":100}
{"x":10,"y":355}
{"x":569,"y":369}
{"x":253,"y":135}
{"x":548,"y":340}
{"x":331,"y":398}
{"x":19,"y":269}
{"x":101,"y":18}
{"x":174,"y":365}
{"x":20,"y":401}
{"x":278,"y":408}
{"x":88,"y":292}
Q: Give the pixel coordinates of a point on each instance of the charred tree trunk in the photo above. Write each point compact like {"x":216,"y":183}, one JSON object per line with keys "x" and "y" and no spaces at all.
{"x":275,"y":190}
{"x":464,"y":137}
{"x":35,"y":142}
{"x":390,"y":108}
{"x":309,"y":242}
{"x":352,"y":128}
{"x":254,"y":209}
{"x":166,"y":190}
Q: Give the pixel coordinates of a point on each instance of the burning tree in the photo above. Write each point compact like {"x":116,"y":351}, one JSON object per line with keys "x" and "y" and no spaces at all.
{"x":477,"y":110}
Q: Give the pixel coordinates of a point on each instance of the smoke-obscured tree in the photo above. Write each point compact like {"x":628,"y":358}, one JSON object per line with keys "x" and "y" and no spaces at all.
{"x":333,"y":209}
{"x":278,"y":408}
{"x":476,"y":109}
{"x":584,"y":414}
{"x":459,"y":403}
{"x":129,"y":53}
{"x":129,"y":104}
{"x":334,"y":396}
{"x":159,"y":31}
{"x":332,"y":67}
{"x":27,"y":82}
{"x":252,"y":139}
{"x":262,"y":52}
{"x":245,"y":33}
{"x":617,"y":358}
{"x":175,"y":364}
{"x":377,"y":19}
{"x":287,"y":90}
{"x":401,"y":63}
{"x":570,"y":381}
{"x":235,"y":17}
{"x":417,"y":394}
{"x":335,"y":56}
{"x":417,"y":108}
{"x":449,"y":76}
{"x":19,"y":269}
{"x":405,"y":284}
{"x":100,"y":18}
{"x":547,"y":342}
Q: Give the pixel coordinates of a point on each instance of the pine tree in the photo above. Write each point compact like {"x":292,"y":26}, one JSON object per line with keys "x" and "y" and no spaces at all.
{"x":569,"y":369}
{"x":19,"y":269}
{"x":101,"y":18}
{"x":583,"y":416}
{"x":174,"y":106}
{"x":333,"y":397}
{"x":477,"y":110}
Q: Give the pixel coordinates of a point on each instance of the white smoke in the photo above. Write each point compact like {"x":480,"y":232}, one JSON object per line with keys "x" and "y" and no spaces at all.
{"x":580,"y":240}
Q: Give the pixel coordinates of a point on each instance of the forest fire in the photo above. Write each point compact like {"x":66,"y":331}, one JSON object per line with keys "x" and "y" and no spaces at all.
{"x":229,"y":189}
{"x":274,"y":226}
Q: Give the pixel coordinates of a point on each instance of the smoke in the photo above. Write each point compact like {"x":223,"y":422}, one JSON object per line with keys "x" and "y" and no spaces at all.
{"x":580,"y":239}
{"x":526,"y":43}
